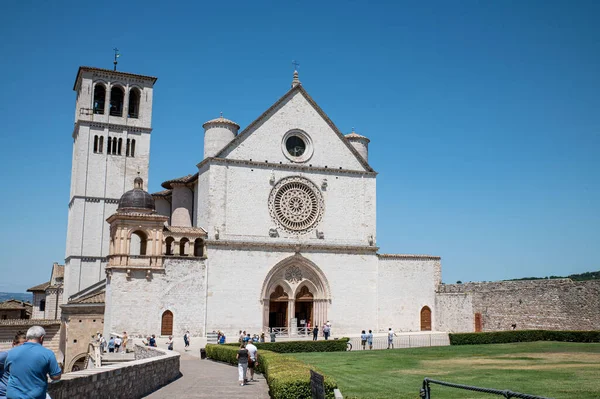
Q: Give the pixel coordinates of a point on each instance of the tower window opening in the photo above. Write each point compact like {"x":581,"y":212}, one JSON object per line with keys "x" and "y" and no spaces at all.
{"x":95,"y":143}
{"x":134,"y":103}
{"x":199,"y":247}
{"x":119,"y":146}
{"x":138,"y":243}
{"x":42,"y":305}
{"x":116,"y":101}
{"x":133,"y":147}
{"x":101,"y":144}
{"x":109,"y":146}
{"x":99,"y":98}
{"x":127,"y":146}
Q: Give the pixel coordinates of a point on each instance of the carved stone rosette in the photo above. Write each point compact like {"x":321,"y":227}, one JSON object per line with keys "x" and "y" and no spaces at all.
{"x":296,"y":204}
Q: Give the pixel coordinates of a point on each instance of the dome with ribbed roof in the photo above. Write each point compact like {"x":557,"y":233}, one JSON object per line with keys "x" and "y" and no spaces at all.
{"x":221,"y":120}
{"x":136,"y":200}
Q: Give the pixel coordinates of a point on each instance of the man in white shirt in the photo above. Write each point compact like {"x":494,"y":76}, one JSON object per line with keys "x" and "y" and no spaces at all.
{"x":118,"y":342}
{"x":391,"y":335}
{"x":252,"y":358}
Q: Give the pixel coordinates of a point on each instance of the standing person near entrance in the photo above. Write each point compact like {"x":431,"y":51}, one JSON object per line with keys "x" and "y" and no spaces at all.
{"x":186,"y":338}
{"x":315,"y":332}
{"x":391,"y":335}
{"x":242,"y":358}
{"x":111,"y":345}
{"x":29,"y":366}
{"x":125,"y":339}
{"x":170,"y":343}
{"x":326,"y":330}
{"x":118,"y":342}
{"x":363,"y":339}
{"x":370,"y":339}
{"x":252,"y":358}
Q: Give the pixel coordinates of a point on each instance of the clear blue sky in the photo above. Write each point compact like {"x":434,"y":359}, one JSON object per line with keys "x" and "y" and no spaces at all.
{"x":484,"y":117}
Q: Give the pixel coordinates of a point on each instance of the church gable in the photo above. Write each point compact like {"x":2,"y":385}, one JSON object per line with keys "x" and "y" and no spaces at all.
{"x":295,"y":130}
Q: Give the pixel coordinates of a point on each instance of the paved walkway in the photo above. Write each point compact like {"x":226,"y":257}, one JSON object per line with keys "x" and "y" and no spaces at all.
{"x":208,"y":379}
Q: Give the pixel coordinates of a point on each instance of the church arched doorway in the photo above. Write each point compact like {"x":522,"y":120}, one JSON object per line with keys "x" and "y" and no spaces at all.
{"x":278,"y":308}
{"x":425,"y":319}
{"x":166,"y":325}
{"x":295,"y":290}
{"x":304,"y":307}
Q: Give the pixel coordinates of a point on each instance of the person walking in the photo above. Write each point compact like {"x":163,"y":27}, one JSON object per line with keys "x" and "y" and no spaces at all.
{"x":391,"y":335}
{"x":315,"y":332}
{"x":102,"y":344}
{"x":363,"y":339}
{"x":170,"y":343}
{"x":111,"y":345}
{"x":29,"y":366}
{"x":370,"y":339}
{"x":242,"y":358}
{"x":19,"y":339}
{"x":273,"y":334}
{"x":252,"y":358}
{"x":186,"y":338}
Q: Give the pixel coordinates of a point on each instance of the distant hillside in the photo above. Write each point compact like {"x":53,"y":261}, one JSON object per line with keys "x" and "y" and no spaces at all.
{"x":5,"y":296}
{"x":575,"y":277}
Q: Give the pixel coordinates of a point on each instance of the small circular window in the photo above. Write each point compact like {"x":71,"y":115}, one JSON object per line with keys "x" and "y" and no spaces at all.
{"x":295,"y":146}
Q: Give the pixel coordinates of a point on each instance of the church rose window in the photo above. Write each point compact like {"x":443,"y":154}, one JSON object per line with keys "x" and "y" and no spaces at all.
{"x":297,"y":146}
{"x":296,"y":204}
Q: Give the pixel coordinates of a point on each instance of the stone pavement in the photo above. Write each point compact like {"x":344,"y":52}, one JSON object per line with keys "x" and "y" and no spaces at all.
{"x":208,"y":379}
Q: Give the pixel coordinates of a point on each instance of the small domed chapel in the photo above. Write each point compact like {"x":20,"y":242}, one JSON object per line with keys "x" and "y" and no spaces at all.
{"x":275,"y":227}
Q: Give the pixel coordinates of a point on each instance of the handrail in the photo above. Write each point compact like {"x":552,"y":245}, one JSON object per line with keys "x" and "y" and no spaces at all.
{"x":426,"y":390}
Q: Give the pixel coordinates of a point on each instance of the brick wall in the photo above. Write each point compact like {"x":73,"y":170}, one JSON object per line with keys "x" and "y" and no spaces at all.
{"x":560,"y":304}
{"x":133,"y":379}
{"x":8,"y":329}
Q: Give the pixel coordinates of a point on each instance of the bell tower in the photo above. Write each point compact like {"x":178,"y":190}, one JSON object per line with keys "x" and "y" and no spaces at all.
{"x":111,"y":147}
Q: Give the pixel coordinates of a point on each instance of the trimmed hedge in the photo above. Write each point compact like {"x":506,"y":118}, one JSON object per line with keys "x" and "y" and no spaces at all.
{"x":337,"y":345}
{"x":504,"y":337}
{"x":288,"y":378}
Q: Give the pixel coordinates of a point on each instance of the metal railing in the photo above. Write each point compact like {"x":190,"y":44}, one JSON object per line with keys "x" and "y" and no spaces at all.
{"x":404,"y":341}
{"x":425,"y":392}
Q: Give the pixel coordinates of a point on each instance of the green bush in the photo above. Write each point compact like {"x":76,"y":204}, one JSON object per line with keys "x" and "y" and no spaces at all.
{"x":288,"y":378}
{"x":337,"y":345}
{"x":504,"y":337}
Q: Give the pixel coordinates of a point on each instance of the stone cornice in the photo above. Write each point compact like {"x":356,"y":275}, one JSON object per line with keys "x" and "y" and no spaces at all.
{"x":111,"y":126}
{"x":112,"y":74}
{"x":152,"y":217}
{"x":284,"y":166}
{"x":94,"y":199}
{"x":29,"y":322}
{"x":294,"y":247}
{"x":408,"y":257}
{"x":87,"y":258}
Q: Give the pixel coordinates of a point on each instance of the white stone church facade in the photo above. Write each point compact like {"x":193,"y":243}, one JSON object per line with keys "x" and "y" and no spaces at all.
{"x":274,"y":227}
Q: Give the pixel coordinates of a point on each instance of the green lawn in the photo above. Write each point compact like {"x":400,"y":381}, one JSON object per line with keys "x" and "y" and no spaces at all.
{"x":552,"y":369}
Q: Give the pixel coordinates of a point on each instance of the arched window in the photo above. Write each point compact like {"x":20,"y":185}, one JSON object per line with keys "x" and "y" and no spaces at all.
{"x":95,"y":143}
{"x":127,"y":147}
{"x":138,"y":243}
{"x":108,"y":146}
{"x":199,"y":247}
{"x":132,"y":148}
{"x":134,"y":103}
{"x":166,"y":325}
{"x":116,"y":101}
{"x":120,"y":145}
{"x":99,"y":98}
{"x":183,"y":243}
{"x":42,"y":305}
{"x":101,"y":145}
{"x":169,"y":246}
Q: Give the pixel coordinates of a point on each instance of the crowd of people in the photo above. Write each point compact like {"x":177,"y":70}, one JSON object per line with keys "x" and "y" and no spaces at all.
{"x":115,"y":344}
{"x":24,"y":369}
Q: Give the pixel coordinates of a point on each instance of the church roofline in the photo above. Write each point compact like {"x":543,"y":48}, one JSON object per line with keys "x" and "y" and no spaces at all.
{"x":162,"y":194}
{"x":39,"y":287}
{"x":298,"y":88}
{"x":181,"y":180}
{"x":285,"y":166}
{"x":409,"y":257}
{"x":92,"y":69}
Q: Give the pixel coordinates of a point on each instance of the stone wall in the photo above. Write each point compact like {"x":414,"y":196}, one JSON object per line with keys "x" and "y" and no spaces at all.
{"x":133,"y":379}
{"x":8,"y":329}
{"x":454,"y":312}
{"x":560,"y":304}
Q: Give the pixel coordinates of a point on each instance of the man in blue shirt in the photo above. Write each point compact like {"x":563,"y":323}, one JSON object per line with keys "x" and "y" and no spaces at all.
{"x":29,"y":366}
{"x":18,"y":340}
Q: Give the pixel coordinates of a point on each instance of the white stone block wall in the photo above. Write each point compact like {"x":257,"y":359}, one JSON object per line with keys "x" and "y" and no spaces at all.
{"x":405,"y":286}
{"x":136,"y":304}
{"x":182,"y":205}
{"x":454,"y":312}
